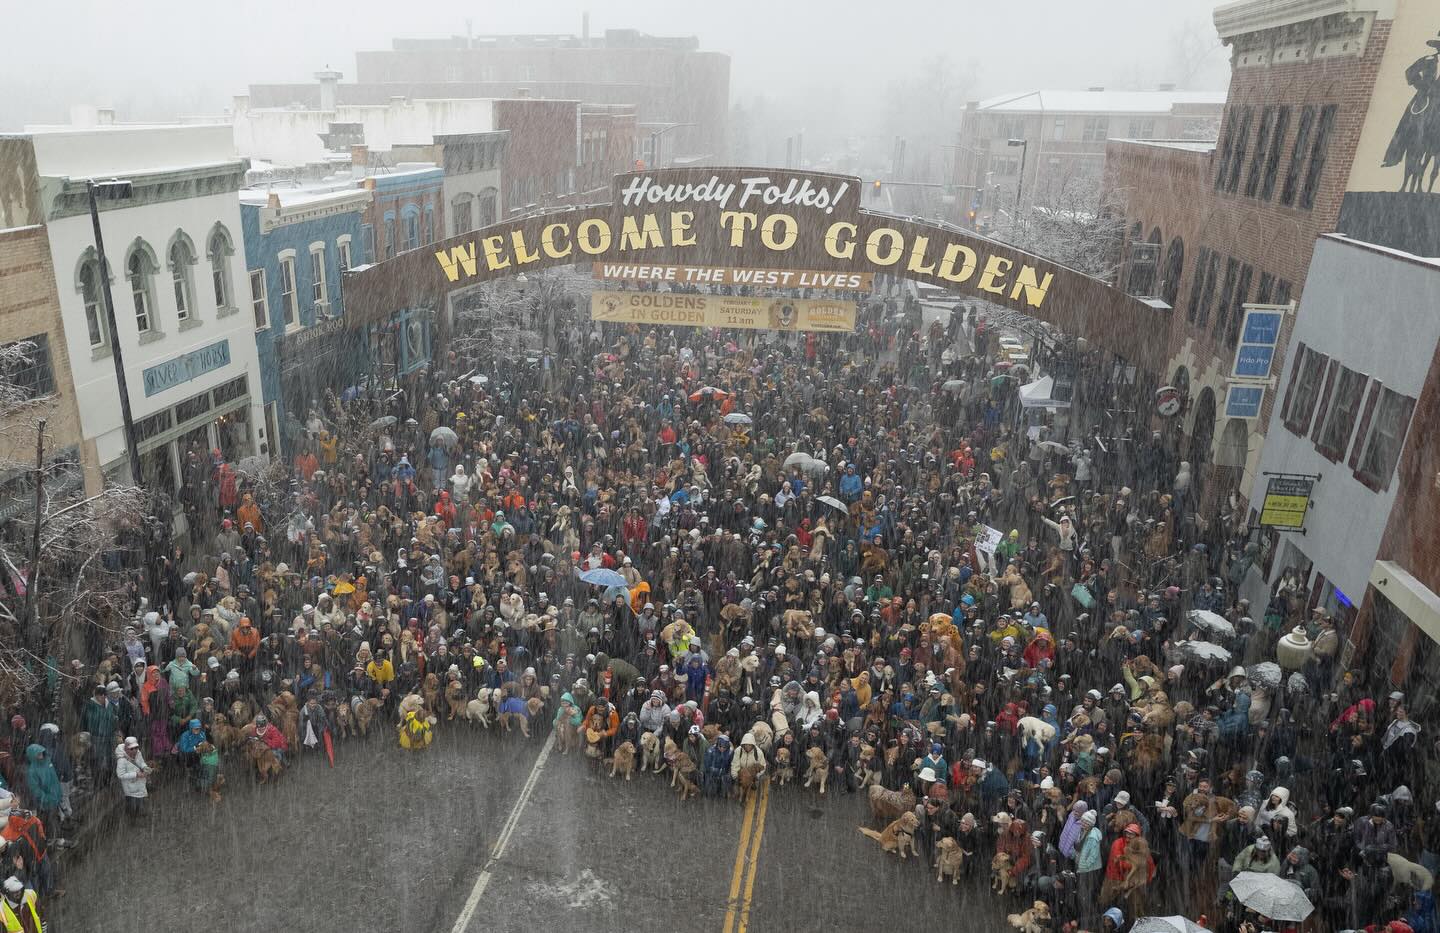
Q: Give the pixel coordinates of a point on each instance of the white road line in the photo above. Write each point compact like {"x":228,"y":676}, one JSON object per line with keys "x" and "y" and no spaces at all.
{"x":506,"y":831}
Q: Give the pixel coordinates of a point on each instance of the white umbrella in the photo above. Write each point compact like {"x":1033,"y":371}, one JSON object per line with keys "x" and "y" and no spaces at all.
{"x":955,"y":385}
{"x":383,"y":422}
{"x":1271,"y":896}
{"x":444,"y":437}
{"x":833,"y":502}
{"x":1265,"y":674}
{"x":479,"y":379}
{"x":1167,"y":925}
{"x":1202,"y":651}
{"x":1053,"y":447}
{"x":736,"y":417}
{"x":799,"y":458}
{"x":1211,"y":622}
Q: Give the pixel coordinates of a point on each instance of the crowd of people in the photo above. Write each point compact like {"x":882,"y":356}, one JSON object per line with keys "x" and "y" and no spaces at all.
{"x":802,"y":525}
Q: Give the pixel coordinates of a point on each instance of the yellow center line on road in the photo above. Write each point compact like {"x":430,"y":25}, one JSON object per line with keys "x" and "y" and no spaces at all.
{"x":754,"y":859}
{"x":737,"y":876}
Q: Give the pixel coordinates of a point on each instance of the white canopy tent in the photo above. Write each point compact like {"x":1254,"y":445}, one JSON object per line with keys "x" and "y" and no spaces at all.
{"x":1037,"y":394}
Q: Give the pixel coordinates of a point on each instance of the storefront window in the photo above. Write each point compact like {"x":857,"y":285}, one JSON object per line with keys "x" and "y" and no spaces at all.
{"x":157,"y":470}
{"x":232,"y":434}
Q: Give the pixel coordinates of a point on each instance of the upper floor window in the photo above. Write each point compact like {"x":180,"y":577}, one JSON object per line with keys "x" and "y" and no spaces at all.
{"x":318,"y":291}
{"x":139,"y":269}
{"x":1304,"y":390}
{"x":289,"y":302}
{"x":219,"y":249}
{"x":1096,"y":129}
{"x":411,"y":220}
{"x":180,"y":258}
{"x":1381,"y":437}
{"x":259,"y":301}
{"x":91,"y":296}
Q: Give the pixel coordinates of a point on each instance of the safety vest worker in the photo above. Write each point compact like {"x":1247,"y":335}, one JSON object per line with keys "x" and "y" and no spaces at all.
{"x":17,"y":908}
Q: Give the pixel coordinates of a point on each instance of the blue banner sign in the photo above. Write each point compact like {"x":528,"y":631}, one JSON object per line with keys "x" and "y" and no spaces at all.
{"x":183,"y":368}
{"x":1243,"y":401}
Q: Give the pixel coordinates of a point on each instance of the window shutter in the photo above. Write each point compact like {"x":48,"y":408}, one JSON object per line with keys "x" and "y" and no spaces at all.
{"x":1332,"y":372}
{"x":1362,"y":435}
{"x":1294,"y":378}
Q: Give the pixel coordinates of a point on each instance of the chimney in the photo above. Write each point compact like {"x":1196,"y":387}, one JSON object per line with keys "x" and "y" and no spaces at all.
{"x":328,"y":79}
{"x":272,"y":201}
{"x":585,"y":29}
{"x":1166,"y":87}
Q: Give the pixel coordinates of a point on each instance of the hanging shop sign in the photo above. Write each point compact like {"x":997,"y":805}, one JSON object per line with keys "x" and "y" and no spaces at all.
{"x":1259,"y":338}
{"x":1287,"y":500}
{"x":1243,"y":400}
{"x":675,"y":309}
{"x":809,"y":223}
{"x":1168,"y":401}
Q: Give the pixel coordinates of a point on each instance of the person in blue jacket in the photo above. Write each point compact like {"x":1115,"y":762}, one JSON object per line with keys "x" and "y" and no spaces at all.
{"x":715,"y":775}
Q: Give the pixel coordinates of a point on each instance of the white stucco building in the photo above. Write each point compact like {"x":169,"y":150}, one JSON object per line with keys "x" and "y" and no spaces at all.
{"x":178,"y":279}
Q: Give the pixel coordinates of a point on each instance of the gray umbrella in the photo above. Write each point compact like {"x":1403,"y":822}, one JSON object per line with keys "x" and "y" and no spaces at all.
{"x":1211,"y":622}
{"x":1201,"y":652}
{"x":833,"y":502}
{"x":1167,"y":925}
{"x":955,"y":385}
{"x":797,"y":459}
{"x":1271,"y":896}
{"x":736,"y":417}
{"x":444,"y":437}
{"x":379,"y":424}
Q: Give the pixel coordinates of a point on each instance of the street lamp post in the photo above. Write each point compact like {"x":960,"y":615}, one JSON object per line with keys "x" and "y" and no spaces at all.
{"x":1020,"y":184}
{"x":655,"y":141}
{"x":114,"y":190}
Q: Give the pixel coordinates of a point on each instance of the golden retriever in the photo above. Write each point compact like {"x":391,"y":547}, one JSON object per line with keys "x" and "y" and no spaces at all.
{"x":784,"y":766}
{"x":1034,"y":920}
{"x":898,"y":837}
{"x":949,"y":860}
{"x":747,"y":781}
{"x":867,"y":769}
{"x":344,"y":720}
{"x":364,"y":711}
{"x":624,"y":760}
{"x":1001,"y":880}
{"x":455,"y":700}
{"x":263,"y":758}
{"x":886,"y":805}
{"x":684,"y":775}
{"x":764,"y":737}
{"x":818,"y":769}
{"x":650,"y":759}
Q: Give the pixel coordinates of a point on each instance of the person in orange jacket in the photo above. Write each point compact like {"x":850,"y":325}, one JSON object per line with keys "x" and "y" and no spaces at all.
{"x":245,"y":639}
{"x":249,"y":514}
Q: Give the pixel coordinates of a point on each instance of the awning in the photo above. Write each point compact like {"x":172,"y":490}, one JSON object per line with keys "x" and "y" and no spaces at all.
{"x":1413,"y":598}
{"x":1037,"y":394}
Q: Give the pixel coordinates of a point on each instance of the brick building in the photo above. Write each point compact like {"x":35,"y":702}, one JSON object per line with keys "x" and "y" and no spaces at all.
{"x":30,"y":312}
{"x":1213,"y":226}
{"x":1064,"y":134}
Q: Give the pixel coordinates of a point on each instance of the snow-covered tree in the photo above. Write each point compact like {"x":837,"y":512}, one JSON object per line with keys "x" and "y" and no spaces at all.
{"x":63,"y":581}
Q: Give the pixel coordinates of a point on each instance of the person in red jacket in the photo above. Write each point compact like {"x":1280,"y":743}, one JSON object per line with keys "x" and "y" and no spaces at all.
{"x":1040,"y":648}
{"x":1015,"y":842}
{"x":446,"y":510}
{"x":633,"y":529}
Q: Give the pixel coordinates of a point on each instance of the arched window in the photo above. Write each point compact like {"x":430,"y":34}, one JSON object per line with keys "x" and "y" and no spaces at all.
{"x":140,"y":268}
{"x":180,"y":257}
{"x":218,"y":250}
{"x":88,"y":284}
{"x":410,"y":227}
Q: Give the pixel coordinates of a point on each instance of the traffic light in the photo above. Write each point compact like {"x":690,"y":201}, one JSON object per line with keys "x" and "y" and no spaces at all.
{"x":877,"y":186}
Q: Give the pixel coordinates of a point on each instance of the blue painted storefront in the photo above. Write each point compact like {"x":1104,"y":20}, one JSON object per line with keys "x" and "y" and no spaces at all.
{"x":300,"y":362}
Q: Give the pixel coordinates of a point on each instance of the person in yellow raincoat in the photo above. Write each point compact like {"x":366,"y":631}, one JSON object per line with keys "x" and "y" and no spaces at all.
{"x":415,"y":732}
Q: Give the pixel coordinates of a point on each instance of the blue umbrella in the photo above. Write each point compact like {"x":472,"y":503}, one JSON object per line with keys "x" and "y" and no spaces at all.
{"x":603,"y":577}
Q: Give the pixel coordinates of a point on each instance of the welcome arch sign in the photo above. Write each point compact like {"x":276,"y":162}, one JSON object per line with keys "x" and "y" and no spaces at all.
{"x":754,"y":218}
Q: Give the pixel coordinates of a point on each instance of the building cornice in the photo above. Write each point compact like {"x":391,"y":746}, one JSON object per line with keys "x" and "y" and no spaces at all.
{"x":343,"y":202}
{"x":1246,"y":16}
{"x":64,"y":196}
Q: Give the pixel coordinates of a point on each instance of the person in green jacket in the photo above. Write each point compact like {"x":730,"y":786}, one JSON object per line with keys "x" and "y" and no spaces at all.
{"x":568,"y":712}
{"x":43,"y":782}
{"x":207,"y":771}
{"x":101,"y":718}
{"x":1258,"y":856}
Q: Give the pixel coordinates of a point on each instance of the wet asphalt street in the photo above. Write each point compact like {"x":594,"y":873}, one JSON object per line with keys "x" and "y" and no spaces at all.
{"x":472,"y":836}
